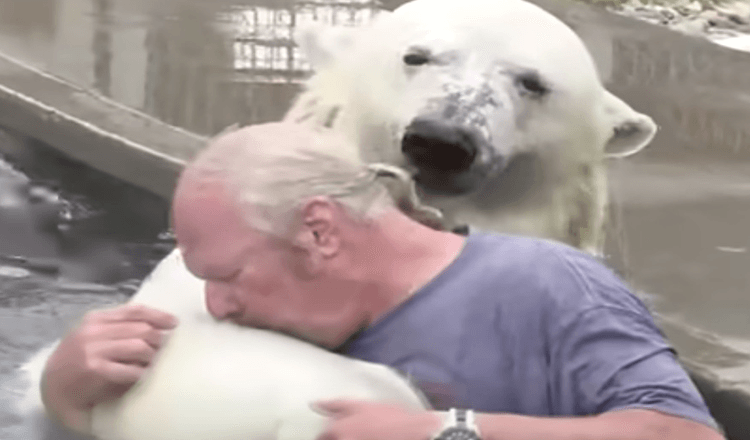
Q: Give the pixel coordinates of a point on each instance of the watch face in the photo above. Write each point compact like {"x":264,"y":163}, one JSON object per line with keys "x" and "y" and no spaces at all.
{"x":458,"y":434}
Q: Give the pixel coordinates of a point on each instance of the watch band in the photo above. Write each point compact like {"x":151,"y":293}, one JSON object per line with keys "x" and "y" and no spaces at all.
{"x":465,"y":419}
{"x":461,"y":418}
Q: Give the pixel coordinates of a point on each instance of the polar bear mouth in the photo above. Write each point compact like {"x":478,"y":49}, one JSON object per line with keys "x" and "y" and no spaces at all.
{"x":445,"y":155}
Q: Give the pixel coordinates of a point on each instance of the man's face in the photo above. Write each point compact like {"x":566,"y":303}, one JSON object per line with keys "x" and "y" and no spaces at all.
{"x":254,"y":279}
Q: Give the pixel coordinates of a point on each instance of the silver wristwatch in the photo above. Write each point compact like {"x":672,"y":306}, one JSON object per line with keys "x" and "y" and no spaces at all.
{"x":459,"y":425}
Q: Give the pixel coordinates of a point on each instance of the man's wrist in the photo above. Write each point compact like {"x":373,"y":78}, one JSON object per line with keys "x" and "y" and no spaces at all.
{"x":434,"y":422}
{"x":61,"y":411}
{"x":458,"y":424}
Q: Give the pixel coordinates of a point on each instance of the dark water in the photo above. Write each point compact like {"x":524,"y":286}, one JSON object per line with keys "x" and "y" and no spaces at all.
{"x":71,"y":239}
{"x":682,"y":207}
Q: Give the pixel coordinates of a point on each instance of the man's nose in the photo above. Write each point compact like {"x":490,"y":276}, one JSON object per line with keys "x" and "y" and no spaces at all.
{"x":220,"y":303}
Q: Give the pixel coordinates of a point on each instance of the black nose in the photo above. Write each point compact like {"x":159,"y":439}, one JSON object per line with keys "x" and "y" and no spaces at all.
{"x":438,"y":145}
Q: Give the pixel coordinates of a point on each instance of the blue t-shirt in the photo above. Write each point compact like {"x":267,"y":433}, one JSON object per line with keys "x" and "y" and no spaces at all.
{"x":528,"y":326}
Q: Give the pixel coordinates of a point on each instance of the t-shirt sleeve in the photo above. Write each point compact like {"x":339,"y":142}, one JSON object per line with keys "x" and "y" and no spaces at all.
{"x":612,"y":358}
{"x":605,"y":349}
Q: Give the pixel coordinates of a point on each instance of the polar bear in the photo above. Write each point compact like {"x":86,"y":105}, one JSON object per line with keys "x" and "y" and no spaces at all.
{"x":496,"y":109}
{"x":494,"y":106}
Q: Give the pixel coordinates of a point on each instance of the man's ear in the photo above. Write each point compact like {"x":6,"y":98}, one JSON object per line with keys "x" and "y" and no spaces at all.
{"x":318,"y":230}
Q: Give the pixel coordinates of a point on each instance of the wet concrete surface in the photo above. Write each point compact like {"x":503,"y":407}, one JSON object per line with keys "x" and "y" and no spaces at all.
{"x":680,"y":221}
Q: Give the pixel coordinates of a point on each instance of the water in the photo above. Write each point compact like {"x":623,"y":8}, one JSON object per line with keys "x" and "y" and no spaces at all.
{"x":680,"y":230}
{"x":71,"y":239}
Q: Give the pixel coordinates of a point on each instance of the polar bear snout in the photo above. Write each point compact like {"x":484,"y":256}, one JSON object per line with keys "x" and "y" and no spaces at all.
{"x":432,"y":143}
{"x":445,"y":154}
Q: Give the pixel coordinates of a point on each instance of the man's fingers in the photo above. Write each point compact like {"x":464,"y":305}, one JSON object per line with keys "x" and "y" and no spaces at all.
{"x":132,"y":330}
{"x":138,"y":312}
{"x":129,"y":351}
{"x":119,"y":373}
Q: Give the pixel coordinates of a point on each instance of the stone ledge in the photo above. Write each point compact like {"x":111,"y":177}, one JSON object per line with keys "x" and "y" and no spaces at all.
{"x":90,"y":128}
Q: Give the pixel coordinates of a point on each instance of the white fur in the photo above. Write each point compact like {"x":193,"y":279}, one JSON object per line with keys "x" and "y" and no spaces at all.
{"x":214,"y":380}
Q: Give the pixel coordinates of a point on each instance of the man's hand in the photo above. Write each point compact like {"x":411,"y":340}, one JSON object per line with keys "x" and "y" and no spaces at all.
{"x":361,"y":420}
{"x":101,"y":359}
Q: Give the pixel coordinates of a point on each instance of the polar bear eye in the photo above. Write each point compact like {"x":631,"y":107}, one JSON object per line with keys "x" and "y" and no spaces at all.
{"x":416,"y":59}
{"x":531,"y":82}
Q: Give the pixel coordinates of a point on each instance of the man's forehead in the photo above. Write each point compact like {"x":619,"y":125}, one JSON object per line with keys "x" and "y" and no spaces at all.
{"x":191,"y":192}
{"x":209,"y":231}
{"x":194,"y":205}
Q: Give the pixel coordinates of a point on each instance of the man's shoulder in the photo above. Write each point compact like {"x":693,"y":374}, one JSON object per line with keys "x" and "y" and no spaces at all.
{"x":514,"y":272}
{"x":517,"y":250}
{"x":533,"y":257}
{"x":530,"y":247}
{"x":560,"y":275}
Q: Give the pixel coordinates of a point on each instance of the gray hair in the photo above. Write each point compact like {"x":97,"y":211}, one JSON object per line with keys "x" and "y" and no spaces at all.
{"x":272,"y":169}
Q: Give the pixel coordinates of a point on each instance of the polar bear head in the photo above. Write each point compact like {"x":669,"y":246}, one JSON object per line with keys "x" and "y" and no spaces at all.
{"x":466,"y":93}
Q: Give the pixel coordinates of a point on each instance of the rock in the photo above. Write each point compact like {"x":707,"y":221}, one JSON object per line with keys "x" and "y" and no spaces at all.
{"x":740,"y":9}
{"x":669,"y":14}
{"x":722,"y":23}
{"x":695,"y":26}
{"x":739,"y":20}
{"x":710,"y":15}
{"x":690,"y":9}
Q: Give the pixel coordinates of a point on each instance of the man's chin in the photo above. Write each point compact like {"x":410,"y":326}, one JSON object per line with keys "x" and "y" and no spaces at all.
{"x":324,"y":341}
{"x":328,"y":341}
{"x":312,"y":339}
{"x":296,"y":334}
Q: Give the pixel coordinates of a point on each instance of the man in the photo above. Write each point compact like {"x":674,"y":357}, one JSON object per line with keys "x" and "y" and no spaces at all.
{"x":542,"y":341}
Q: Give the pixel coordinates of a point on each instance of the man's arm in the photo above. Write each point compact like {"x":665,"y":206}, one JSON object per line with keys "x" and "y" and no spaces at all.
{"x":607,"y":356}
{"x":629,"y":424}
{"x":100,"y":360}
{"x":359,"y":420}
{"x":59,"y":407}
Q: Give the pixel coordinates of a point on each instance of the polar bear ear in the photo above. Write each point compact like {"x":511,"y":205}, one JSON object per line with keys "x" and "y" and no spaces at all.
{"x":322,"y":44}
{"x":631,"y":131}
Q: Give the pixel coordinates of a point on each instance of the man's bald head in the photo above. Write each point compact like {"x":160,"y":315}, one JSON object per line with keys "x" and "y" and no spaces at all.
{"x":269,"y":170}
{"x":272,"y":142}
